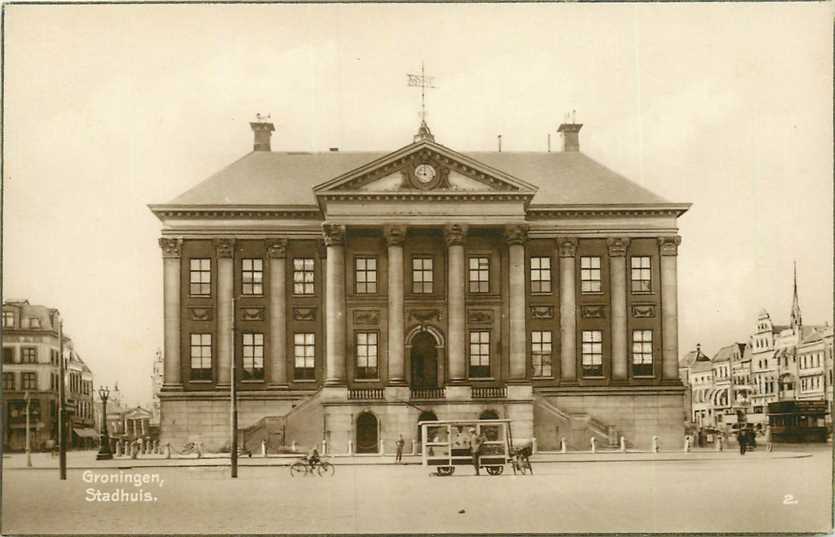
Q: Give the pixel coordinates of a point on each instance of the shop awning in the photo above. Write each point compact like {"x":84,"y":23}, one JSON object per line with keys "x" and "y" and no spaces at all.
{"x":86,"y":432}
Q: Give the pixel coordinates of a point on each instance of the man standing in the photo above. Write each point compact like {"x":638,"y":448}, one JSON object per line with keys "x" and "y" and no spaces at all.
{"x":475,"y":448}
{"x":768,"y":441}
{"x":400,"y":443}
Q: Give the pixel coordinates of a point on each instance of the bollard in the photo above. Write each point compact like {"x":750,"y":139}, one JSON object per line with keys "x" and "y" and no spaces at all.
{"x":350,"y":447}
{"x":382,"y":447}
{"x":593,"y":444}
{"x":687,"y":444}
{"x":168,"y":450}
{"x":622,"y":444}
{"x":414,"y":446}
{"x":718,"y":443}
{"x":199,"y":450}
{"x":134,"y":451}
{"x":655,"y":447}
{"x":263,"y":448}
{"x":533,"y":445}
{"x":118,"y":450}
{"x":293,"y":447}
{"x":324,"y":447}
{"x":562,"y":445}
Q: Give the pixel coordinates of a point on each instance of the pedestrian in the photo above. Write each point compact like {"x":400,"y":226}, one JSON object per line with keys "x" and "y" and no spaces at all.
{"x":740,"y":438}
{"x":400,"y":443}
{"x":769,"y":446}
{"x":475,"y":448}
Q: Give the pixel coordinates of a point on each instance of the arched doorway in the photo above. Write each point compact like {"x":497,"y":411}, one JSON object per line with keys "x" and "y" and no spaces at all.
{"x":367,"y":433}
{"x":424,"y":358}
{"x":426,"y":415}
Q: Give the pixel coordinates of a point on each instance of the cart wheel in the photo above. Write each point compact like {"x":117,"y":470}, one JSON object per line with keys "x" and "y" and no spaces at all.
{"x":495,"y":470}
{"x":445,"y":470}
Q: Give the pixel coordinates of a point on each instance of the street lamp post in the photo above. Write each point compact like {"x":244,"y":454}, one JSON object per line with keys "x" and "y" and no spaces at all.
{"x":233,"y":393}
{"x":28,"y":443}
{"x":62,"y":433}
{"x":104,"y":453}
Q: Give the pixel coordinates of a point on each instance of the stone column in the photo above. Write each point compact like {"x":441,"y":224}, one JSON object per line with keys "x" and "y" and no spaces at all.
{"x":171,"y":252}
{"x":277,"y":253}
{"x":395,"y":235}
{"x":454,"y":235}
{"x":335,"y":304}
{"x":568,"y":309}
{"x":669,"y":306}
{"x":225,"y":309}
{"x":617,"y":274}
{"x":516,"y":236}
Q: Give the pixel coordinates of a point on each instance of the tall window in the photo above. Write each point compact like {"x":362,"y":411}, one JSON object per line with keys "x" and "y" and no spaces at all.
{"x":366,"y":355}
{"x":592,"y":353}
{"x":29,"y":355}
{"x":541,"y":353}
{"x":540,"y":275}
{"x":8,"y":355}
{"x":201,"y":356}
{"x":253,"y":356}
{"x":303,"y":276}
{"x":422,"y":275}
{"x":29,"y":380}
{"x":365,"y":270}
{"x":479,"y":275}
{"x":590,"y":274}
{"x":305,"y":353}
{"x":642,"y":353}
{"x":479,"y":353}
{"x":252,"y":276}
{"x":641,"y":274}
{"x":8,"y":319}
{"x":200,"y":277}
{"x":8,"y":382}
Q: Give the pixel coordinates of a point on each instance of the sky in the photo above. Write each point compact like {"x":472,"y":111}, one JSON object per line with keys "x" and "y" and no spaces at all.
{"x":108,"y":108}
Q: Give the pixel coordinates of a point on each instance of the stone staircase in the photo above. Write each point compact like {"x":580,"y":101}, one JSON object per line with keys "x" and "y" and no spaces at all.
{"x":578,"y":428}
{"x":302,"y":427}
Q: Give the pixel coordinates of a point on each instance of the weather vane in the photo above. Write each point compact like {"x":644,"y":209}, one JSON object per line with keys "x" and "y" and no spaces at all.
{"x":423,"y":82}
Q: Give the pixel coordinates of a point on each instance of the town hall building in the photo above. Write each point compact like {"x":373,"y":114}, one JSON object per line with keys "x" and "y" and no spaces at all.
{"x":358,"y":293}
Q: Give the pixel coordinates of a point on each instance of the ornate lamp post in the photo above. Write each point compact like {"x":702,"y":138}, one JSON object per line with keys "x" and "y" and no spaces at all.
{"x":104,"y":450}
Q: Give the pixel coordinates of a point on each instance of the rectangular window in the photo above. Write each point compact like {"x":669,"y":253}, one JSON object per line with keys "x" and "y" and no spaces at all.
{"x":8,"y":382}
{"x":541,"y":353}
{"x":34,"y":322}
{"x":479,"y":354}
{"x":422,"y":275}
{"x":252,"y":276}
{"x":590,"y":274}
{"x":642,"y":353}
{"x":592,"y":353}
{"x":641,"y":275}
{"x":305,"y":354}
{"x":479,"y":275}
{"x":8,"y":355}
{"x":201,"y":357}
{"x":366,"y":355}
{"x":540,"y":275}
{"x":200,"y":277}
{"x":8,"y":319}
{"x":303,"y":283}
{"x":253,"y":356}
{"x":29,"y":380}
{"x":365,"y":271}
{"x":29,"y":355}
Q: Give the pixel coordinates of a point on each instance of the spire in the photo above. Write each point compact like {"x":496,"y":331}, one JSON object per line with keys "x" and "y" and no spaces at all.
{"x":424,"y":133}
{"x":423,"y":82}
{"x":796,"y":318}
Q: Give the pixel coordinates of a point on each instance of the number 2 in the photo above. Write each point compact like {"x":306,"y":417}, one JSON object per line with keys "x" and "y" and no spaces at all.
{"x":788,"y":499}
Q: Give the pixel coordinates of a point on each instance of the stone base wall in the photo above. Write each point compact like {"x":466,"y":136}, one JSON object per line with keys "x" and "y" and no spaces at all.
{"x":637,"y":417}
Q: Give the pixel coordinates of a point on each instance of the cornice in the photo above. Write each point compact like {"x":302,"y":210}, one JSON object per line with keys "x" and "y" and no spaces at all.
{"x":544,"y":212}
{"x":427,"y":195}
{"x":307,"y":212}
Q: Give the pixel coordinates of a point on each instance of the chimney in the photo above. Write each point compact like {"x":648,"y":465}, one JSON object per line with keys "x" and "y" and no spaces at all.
{"x":263,"y":129}
{"x":570,"y":136}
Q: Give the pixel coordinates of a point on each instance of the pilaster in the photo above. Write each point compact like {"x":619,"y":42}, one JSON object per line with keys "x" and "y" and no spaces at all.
{"x":617,"y":273}
{"x":668,"y":247}
{"x":277,"y":254}
{"x":171,"y":265}
{"x":334,"y":236}
{"x":516,"y":236}
{"x":567,"y":248}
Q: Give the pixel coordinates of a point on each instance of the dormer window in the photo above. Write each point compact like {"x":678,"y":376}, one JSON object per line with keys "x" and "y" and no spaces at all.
{"x":8,"y":319}
{"x":34,"y":322}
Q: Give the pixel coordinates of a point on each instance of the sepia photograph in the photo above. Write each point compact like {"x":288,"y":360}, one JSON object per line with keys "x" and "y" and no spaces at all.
{"x":417,"y":268}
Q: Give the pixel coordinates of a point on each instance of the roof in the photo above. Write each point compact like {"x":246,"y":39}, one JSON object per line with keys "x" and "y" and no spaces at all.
{"x":725,"y":353}
{"x":689,"y":359}
{"x":701,"y":366}
{"x":288,"y":178}
{"x":817,"y":335}
{"x":28,"y":311}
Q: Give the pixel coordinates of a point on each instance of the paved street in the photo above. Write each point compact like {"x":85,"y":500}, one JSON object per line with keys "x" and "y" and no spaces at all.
{"x":729,"y":494}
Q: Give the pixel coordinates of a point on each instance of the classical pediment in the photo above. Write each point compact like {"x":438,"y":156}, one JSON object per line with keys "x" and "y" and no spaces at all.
{"x":425,"y":168}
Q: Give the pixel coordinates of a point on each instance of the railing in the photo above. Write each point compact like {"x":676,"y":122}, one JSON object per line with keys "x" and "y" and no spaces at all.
{"x":427,"y":393}
{"x":489,"y":392}
{"x":364,"y":394}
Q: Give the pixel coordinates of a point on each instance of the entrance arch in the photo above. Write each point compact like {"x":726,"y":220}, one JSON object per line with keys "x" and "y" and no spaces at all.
{"x":367,"y":433}
{"x":426,"y":415}
{"x":424,"y":360}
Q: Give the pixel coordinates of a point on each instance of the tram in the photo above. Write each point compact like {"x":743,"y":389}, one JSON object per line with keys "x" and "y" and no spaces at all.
{"x":798,"y":421}
{"x":446,"y":444}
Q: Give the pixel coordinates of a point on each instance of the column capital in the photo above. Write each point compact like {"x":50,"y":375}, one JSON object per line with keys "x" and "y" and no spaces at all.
{"x":334,"y":234}
{"x":225,"y":248}
{"x":276,"y":248}
{"x":171,"y":247}
{"x":516,"y":233}
{"x":395,"y":234}
{"x":617,"y":246}
{"x":669,"y":245}
{"x":567,"y":246}
{"x":454,"y":234}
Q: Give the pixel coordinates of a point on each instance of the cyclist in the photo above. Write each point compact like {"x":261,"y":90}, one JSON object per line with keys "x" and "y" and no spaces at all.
{"x":313,"y":459}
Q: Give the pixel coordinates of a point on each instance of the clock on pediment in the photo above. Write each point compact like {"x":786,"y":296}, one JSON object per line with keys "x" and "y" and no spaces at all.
{"x":426,"y":175}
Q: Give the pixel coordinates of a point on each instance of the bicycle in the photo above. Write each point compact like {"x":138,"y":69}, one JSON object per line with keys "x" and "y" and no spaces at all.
{"x":304,"y":466}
